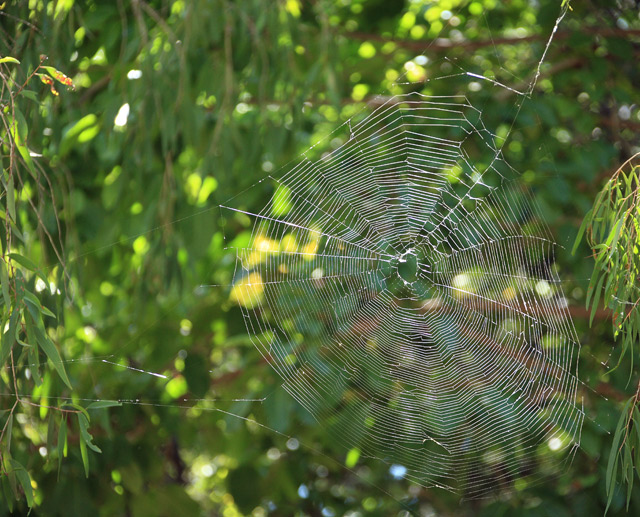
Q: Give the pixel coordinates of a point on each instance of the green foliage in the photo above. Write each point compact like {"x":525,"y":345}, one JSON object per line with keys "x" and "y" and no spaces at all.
{"x":625,"y":448}
{"x":31,"y":363}
{"x":612,"y":229}
{"x":122,"y":220}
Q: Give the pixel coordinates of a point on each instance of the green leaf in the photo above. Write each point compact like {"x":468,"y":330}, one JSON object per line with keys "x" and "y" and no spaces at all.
{"x":47,"y":312}
{"x":19,"y":133}
{"x":77,"y":407}
{"x":24,"y":479}
{"x":4,"y":278}
{"x":636,"y":426}
{"x":85,"y":457}
{"x":52,"y":353}
{"x":28,"y":264}
{"x":9,"y":59}
{"x":83,"y":423}
{"x":628,"y":466}
{"x":614,"y":454}
{"x":596,"y":299}
{"x":35,"y":304}
{"x":34,"y":363}
{"x":31,"y":95}
{"x":583,"y":227}
{"x":62,"y":442}
{"x":614,"y":236}
{"x":612,"y":466}
{"x":14,"y":229}
{"x":6,"y":489}
{"x":100,"y":404}
{"x":592,"y":284}
{"x":11,"y":196}
{"x":13,"y":482}
{"x":9,"y":337}
{"x":9,"y":431}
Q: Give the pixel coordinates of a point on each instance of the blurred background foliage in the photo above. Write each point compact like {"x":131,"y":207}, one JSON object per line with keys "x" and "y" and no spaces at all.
{"x":180,"y":105}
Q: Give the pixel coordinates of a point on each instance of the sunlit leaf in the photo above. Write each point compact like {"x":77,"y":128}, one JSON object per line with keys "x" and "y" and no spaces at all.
{"x":28,"y":264}
{"x":52,"y":353}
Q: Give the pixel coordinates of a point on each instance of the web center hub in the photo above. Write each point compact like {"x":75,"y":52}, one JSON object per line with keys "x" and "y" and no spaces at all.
{"x":407,"y":266}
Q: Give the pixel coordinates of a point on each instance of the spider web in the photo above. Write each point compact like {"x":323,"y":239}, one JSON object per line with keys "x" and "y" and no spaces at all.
{"x":402,"y":286}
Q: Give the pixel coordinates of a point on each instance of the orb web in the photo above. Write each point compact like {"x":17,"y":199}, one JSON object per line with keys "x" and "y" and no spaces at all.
{"x":403,"y":287}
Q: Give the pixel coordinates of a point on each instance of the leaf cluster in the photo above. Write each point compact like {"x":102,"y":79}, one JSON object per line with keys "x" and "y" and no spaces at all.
{"x":31,"y":366}
{"x":612,"y":229}
{"x":624,"y":458}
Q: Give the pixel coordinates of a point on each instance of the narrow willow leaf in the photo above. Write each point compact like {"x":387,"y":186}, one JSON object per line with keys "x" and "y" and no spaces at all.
{"x":83,"y":424}
{"x":77,"y":407}
{"x":19,"y":132}
{"x":6,"y":489}
{"x":24,"y":479}
{"x":13,"y":482}
{"x":9,"y":337}
{"x":11,"y":198}
{"x":4,"y":278}
{"x":586,"y":221}
{"x":615,"y":450}
{"x":628,"y":465}
{"x":34,"y":363}
{"x":28,"y":264}
{"x":31,"y":95}
{"x":615,"y":234}
{"x":62,"y":442}
{"x":610,"y":480}
{"x":34,"y":304}
{"x":636,"y":427}
{"x":596,"y":299}
{"x":628,"y":346}
{"x":597,"y":205}
{"x":52,"y":353}
{"x":9,"y":59}
{"x":47,"y":312}
{"x":592,"y":283}
{"x":85,"y":457}
{"x":9,"y":431}
{"x":607,"y":293}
